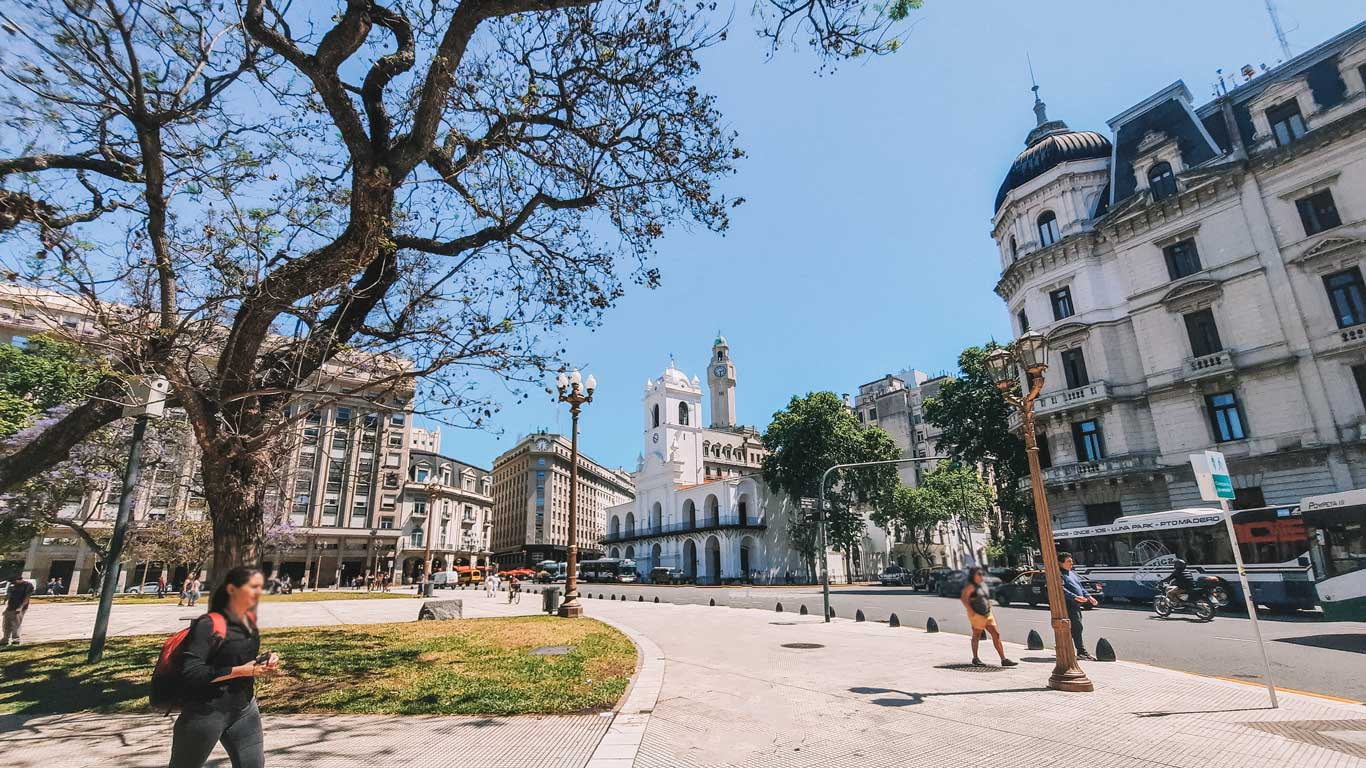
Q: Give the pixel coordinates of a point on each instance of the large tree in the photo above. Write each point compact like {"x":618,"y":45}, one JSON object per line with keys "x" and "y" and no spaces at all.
{"x":950,"y":494}
{"x":249,"y":196}
{"x":975,"y":420}
{"x":814,"y":433}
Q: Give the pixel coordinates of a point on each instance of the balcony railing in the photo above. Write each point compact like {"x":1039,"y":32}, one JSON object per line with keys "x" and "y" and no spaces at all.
{"x":1354,"y":333}
{"x":1076,"y":397}
{"x":1111,"y":466}
{"x":1213,"y":364}
{"x":702,"y":524}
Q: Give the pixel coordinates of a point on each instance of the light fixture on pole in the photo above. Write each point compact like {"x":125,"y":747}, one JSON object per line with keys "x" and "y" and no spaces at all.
{"x":575,"y":391}
{"x":1030,"y":353}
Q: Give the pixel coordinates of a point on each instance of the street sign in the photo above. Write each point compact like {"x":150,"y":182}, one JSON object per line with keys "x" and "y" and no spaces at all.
{"x":1211,"y":475}
{"x":808,"y":503}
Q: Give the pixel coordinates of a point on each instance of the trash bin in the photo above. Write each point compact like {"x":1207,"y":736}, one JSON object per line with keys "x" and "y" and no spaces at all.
{"x":550,"y":599}
{"x":426,"y":589}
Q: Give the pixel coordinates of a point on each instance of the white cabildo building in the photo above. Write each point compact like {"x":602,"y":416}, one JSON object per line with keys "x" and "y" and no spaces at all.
{"x":701,"y":503}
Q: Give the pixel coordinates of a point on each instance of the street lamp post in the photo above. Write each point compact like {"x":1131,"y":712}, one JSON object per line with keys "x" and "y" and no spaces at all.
{"x":1030,"y":353}
{"x":575,"y":391}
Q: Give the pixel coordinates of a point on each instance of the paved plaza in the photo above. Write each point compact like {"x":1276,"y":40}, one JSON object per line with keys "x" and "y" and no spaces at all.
{"x":722,"y":686}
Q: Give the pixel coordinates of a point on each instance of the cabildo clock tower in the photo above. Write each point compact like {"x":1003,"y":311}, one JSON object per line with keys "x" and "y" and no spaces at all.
{"x":721,"y":382}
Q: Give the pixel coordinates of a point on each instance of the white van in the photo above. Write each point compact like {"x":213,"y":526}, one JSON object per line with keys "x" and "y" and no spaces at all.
{"x":445,"y":580}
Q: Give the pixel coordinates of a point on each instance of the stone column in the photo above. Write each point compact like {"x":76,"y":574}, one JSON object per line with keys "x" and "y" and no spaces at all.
{"x":74,"y":588}
{"x":31,"y":558}
{"x":308,"y":565}
{"x":341,"y":554}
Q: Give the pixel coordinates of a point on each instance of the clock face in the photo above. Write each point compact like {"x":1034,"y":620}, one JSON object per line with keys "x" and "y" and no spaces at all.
{"x":719,"y":370}
{"x":541,"y":445}
{"x":654,"y":437}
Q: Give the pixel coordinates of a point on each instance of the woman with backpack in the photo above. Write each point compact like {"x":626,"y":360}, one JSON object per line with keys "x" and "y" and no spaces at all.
{"x":977,"y":599}
{"x":221,"y":660}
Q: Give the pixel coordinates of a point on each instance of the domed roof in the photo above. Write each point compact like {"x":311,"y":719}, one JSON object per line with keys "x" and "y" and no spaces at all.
{"x":1049,"y":145}
{"x":720,"y":340}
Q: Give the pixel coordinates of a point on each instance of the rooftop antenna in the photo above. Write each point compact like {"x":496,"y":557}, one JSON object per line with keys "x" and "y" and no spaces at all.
{"x":1280,"y":31}
{"x":1039,"y":107}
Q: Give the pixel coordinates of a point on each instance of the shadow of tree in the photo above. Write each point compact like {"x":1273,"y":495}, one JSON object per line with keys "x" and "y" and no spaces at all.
{"x":1349,"y":642}
{"x":912,"y":698}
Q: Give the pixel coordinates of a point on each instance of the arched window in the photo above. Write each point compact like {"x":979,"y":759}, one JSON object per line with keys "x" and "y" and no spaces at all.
{"x":1162,"y":181}
{"x":1048,"y":229}
{"x":1014,"y":248}
{"x":654,"y":415}
{"x":683,"y":414}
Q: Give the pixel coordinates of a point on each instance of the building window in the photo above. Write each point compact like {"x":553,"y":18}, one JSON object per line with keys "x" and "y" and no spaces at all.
{"x":1104,"y":513}
{"x":872,"y":414}
{"x":1347,"y":296}
{"x":1014,"y":248}
{"x":1225,"y":417}
{"x":1162,"y":181}
{"x":1061,"y":300}
{"x":386,"y":523}
{"x":1024,"y":321}
{"x":1318,"y":212}
{"x":654,"y":415}
{"x":1182,"y":259}
{"x":421,"y":473}
{"x":1048,"y":229}
{"x":1359,"y":375}
{"x":1045,"y":450}
{"x":1287,"y":124}
{"x":683,"y":414}
{"x":1203,"y":333}
{"x":1250,"y":498}
{"x":1074,"y":368}
{"x":1086,"y":438}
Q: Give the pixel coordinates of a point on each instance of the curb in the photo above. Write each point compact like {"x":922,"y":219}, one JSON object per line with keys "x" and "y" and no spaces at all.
{"x":621,"y":743}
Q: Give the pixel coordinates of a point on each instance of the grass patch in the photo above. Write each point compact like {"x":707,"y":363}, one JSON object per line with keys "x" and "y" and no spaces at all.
{"x":463,"y":667}
{"x":294,"y":597}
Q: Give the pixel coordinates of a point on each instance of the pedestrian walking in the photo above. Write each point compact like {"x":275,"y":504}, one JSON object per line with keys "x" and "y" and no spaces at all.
{"x":161,"y":586}
{"x":1076,"y":596}
{"x":514,"y":590}
{"x":977,"y":600}
{"x":60,"y":588}
{"x":184,"y":591}
{"x":192,"y":591}
{"x":16,"y":605}
{"x":219,"y":675}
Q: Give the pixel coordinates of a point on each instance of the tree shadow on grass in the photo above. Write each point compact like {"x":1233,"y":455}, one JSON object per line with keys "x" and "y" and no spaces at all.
{"x":54,"y":678}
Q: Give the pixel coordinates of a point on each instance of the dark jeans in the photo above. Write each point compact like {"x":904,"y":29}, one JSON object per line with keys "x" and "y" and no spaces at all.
{"x":1074,"y":615}
{"x":200,"y":727}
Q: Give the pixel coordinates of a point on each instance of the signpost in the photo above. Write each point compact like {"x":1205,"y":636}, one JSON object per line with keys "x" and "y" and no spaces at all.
{"x":1211,"y":475}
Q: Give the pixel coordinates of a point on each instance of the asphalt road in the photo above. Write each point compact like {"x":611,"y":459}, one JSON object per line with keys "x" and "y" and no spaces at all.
{"x":1307,"y":654}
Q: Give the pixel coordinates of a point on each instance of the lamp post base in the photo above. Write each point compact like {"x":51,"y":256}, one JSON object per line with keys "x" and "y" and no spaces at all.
{"x":571,"y":610}
{"x":1071,"y":680}
{"x":1067,"y":673}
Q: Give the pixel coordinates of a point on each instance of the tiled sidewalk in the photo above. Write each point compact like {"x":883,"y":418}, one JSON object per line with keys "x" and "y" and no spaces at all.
{"x":722,"y":687}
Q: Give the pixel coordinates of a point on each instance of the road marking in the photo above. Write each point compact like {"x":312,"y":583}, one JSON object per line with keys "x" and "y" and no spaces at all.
{"x":1119,"y":629}
{"x":1235,"y":639}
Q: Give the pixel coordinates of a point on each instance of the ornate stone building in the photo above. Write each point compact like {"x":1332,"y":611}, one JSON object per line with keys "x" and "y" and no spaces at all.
{"x":1198,"y":273}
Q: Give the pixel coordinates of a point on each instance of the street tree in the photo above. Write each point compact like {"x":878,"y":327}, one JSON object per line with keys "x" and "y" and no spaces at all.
{"x":949,"y":495}
{"x":248,"y":197}
{"x":814,"y":433}
{"x":974,"y":418}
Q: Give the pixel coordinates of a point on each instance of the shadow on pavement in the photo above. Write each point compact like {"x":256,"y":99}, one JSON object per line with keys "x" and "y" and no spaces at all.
{"x":1350,"y":642}
{"x":1203,"y":712}
{"x":912,"y":699}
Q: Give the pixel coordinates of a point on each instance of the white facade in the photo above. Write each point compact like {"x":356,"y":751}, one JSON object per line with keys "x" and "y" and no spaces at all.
{"x":701,"y":504}
{"x":1200,"y":287}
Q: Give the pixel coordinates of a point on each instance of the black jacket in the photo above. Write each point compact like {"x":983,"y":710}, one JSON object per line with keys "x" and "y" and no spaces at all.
{"x":203,"y":664}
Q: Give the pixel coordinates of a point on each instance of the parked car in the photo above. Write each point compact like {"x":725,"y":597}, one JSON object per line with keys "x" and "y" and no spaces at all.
{"x":952,"y":584}
{"x":663,"y":574}
{"x":920,"y":579}
{"x":1031,"y":587}
{"x":150,"y":588}
{"x":894,"y":576}
{"x":937,"y":575}
{"x":1006,"y":575}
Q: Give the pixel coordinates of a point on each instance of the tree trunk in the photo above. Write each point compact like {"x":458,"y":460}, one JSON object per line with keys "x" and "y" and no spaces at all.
{"x":236,"y":491}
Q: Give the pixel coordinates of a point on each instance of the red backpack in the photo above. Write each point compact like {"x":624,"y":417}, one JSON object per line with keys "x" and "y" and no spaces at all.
{"x":168,"y":689}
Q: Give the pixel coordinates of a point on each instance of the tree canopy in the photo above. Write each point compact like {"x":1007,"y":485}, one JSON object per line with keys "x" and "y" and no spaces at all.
{"x":814,"y":433}
{"x":949,"y":494}
{"x":251,"y":197}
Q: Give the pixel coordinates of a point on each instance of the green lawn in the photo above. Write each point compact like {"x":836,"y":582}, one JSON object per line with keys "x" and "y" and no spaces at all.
{"x":296,"y":597}
{"x":462,"y":667}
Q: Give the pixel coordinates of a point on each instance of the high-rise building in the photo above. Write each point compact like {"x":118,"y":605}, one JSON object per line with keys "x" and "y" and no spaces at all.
{"x":531,"y":501}
{"x":1198,"y":275}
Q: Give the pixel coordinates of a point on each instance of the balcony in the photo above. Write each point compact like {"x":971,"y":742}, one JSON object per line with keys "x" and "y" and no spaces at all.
{"x":708,"y":524}
{"x":1216,"y":364}
{"x":1070,"y":399}
{"x":1353,"y":334}
{"x":1112,"y":466}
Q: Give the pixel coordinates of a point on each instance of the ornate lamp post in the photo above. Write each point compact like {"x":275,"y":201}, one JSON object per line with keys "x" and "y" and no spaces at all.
{"x":1030,"y":353}
{"x":575,"y":391}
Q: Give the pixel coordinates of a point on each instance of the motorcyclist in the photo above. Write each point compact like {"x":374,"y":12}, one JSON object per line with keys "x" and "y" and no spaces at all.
{"x":1180,"y":581}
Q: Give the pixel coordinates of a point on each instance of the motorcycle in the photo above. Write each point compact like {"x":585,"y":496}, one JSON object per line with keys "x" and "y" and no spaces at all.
{"x":1199,"y":601}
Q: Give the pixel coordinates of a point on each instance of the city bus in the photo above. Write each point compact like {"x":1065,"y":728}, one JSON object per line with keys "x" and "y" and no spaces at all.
{"x":1337,"y":546}
{"x":608,"y":569}
{"x":1130,"y":555}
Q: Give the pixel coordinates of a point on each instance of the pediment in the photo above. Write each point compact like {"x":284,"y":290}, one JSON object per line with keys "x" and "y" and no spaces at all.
{"x":1192,"y":290}
{"x":1330,"y":249}
{"x":1066,"y":331}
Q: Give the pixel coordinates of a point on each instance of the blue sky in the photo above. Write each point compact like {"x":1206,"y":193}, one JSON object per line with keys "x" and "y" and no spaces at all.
{"x":864,"y":247}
